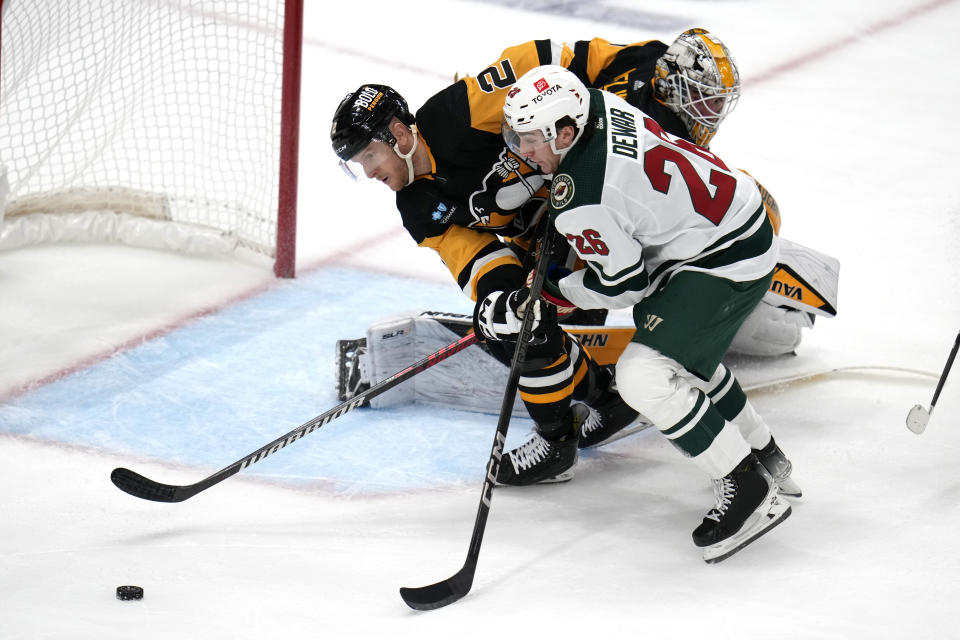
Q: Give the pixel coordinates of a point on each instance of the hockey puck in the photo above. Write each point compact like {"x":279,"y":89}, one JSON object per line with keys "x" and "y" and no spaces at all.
{"x":129,"y":592}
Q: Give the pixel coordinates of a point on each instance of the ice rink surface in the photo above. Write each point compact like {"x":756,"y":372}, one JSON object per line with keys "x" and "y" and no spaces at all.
{"x":177,"y":366}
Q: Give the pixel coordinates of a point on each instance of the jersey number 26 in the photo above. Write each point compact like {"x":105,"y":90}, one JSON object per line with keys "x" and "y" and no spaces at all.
{"x":712,"y":207}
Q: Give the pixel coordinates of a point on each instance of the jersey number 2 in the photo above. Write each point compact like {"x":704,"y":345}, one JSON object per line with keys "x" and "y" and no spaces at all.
{"x":712,"y":207}
{"x":493,"y":78}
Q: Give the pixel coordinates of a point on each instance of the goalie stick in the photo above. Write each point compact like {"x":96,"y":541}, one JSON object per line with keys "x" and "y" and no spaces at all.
{"x":143,"y":487}
{"x":442,"y":593}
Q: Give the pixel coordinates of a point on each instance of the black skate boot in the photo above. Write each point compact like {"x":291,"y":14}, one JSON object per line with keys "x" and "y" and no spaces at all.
{"x":773,"y":460}
{"x":747,"y":507}
{"x":609,"y":414}
{"x":548,"y":456}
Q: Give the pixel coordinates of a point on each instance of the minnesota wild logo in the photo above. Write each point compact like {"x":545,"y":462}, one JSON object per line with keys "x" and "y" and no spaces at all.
{"x":561,"y":191}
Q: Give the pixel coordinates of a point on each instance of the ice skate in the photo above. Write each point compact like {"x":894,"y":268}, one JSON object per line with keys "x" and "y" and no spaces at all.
{"x":609,"y":423}
{"x":747,"y":507}
{"x":774,"y":461}
{"x":609,"y":416}
{"x":542,"y":459}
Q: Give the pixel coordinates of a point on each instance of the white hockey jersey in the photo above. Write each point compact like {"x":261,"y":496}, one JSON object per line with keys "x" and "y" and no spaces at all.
{"x":638,"y":204}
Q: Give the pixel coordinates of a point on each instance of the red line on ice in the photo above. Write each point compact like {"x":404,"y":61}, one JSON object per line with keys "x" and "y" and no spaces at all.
{"x":362,"y":245}
{"x":829,"y":48}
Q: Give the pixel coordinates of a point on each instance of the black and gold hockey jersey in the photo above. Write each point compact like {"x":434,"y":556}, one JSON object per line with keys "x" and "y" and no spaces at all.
{"x":478,"y":191}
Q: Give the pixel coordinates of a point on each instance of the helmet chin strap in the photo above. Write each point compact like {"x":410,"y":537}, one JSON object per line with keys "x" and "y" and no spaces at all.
{"x":408,"y":156}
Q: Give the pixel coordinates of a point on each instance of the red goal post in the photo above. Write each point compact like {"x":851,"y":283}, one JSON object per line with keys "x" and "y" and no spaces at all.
{"x":163,"y":123}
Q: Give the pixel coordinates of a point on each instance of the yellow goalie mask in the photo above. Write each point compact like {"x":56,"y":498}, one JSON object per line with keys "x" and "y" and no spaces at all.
{"x":697,"y":79}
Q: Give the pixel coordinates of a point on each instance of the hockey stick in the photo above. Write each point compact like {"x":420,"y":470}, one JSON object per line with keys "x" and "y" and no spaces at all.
{"x":918,"y":417}
{"x":813,"y":376}
{"x":458,"y":585}
{"x":766,"y":385}
{"x":143,"y":487}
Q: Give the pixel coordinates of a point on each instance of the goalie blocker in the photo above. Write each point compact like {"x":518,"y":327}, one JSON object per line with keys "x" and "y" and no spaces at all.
{"x":804,"y":286}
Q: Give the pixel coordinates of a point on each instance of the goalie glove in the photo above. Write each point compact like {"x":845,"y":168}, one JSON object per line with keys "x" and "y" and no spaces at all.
{"x":499,"y":316}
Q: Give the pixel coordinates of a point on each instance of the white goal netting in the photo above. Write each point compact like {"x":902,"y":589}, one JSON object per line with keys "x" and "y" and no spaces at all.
{"x":149,"y":112}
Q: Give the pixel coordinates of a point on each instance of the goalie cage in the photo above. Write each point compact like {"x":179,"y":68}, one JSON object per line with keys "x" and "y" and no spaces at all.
{"x":170,"y":125}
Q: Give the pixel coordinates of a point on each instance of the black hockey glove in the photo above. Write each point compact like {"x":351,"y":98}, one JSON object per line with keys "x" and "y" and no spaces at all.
{"x":499,"y":316}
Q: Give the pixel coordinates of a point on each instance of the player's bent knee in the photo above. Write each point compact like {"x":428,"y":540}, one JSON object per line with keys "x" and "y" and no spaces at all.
{"x":645,"y":378}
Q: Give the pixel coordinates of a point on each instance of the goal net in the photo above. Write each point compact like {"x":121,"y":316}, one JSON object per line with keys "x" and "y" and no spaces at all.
{"x":162,"y":123}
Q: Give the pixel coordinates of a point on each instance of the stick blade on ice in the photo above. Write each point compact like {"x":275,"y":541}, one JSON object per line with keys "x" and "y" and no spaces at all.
{"x":442,"y":593}
{"x":142,"y":487}
{"x":918,"y":418}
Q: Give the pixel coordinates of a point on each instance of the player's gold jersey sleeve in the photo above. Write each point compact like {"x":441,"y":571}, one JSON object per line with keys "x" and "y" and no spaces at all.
{"x":478,"y":260}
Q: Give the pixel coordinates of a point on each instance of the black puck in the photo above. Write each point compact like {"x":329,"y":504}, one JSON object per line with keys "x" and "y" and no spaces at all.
{"x":129,"y":592}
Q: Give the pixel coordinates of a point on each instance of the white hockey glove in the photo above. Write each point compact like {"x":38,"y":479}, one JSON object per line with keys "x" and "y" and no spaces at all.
{"x":499,"y":316}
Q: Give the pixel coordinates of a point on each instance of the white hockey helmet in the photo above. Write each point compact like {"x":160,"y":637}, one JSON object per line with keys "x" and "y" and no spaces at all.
{"x":697,"y":79}
{"x":542,"y":98}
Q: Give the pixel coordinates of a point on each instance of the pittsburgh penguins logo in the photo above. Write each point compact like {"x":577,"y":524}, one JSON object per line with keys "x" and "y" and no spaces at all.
{"x":561,"y":191}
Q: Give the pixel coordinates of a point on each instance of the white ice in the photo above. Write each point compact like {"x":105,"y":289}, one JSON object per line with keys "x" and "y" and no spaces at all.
{"x":176,"y":366}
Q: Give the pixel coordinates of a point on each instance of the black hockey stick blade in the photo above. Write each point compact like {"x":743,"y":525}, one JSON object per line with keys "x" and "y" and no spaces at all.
{"x":442,"y":593}
{"x":140,"y":486}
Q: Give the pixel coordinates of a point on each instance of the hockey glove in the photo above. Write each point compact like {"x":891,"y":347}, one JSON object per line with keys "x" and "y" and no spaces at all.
{"x":499,"y":316}
{"x":551,"y":289}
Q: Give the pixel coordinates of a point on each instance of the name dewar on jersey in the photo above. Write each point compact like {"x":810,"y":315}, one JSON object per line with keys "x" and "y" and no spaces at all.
{"x":623,"y":133}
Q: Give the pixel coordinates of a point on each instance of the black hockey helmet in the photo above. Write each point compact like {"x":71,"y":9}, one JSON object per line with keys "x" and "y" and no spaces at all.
{"x":365,"y":115}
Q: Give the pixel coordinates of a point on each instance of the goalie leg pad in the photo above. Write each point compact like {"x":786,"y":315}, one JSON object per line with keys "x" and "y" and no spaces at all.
{"x":805,"y":279}
{"x":771,"y":331}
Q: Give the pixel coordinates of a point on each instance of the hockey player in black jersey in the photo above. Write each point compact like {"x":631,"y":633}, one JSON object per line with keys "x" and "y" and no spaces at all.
{"x":458,"y":190}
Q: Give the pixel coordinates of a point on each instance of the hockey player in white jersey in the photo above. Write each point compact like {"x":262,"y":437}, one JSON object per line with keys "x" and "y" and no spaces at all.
{"x":668,"y":228}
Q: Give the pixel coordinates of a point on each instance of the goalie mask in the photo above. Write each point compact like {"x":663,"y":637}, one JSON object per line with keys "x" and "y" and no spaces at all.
{"x":364,"y":116}
{"x":697,"y":79}
{"x":542,"y":98}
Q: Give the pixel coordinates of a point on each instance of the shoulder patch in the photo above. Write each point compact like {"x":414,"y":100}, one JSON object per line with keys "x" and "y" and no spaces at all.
{"x":561,"y":191}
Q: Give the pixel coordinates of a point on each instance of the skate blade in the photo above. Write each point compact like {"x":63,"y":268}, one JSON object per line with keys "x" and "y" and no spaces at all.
{"x":779,"y":511}
{"x":788,"y":488}
{"x":565,"y":476}
{"x":623,"y":433}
